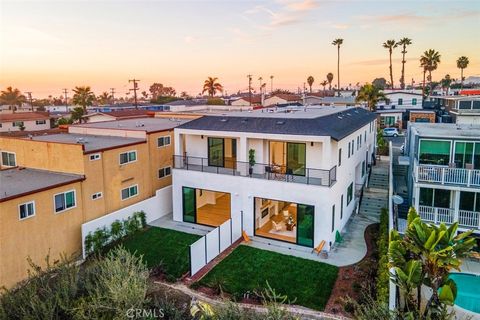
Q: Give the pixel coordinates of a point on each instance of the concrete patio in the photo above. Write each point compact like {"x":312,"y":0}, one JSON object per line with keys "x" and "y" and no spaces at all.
{"x":167,"y":222}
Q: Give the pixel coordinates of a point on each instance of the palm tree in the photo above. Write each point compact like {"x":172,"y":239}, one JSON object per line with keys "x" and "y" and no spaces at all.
{"x":445,"y":83}
{"x":338,"y":42}
{"x":390,"y":45}
{"x":212,"y":86}
{"x":260,"y":80}
{"x":371,"y":95}
{"x":271,"y":84}
{"x":324,"y":84}
{"x":104,"y":98}
{"x":12,"y":97}
{"x":462,"y":63}
{"x":404,"y":42}
{"x":330,"y":79}
{"x":83,"y":97}
{"x":310,"y":81}
{"x":429,"y":61}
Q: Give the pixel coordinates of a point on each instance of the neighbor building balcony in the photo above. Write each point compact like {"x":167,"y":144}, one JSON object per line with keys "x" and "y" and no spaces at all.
{"x":447,"y":175}
{"x":466,"y":219}
{"x":285,"y":173}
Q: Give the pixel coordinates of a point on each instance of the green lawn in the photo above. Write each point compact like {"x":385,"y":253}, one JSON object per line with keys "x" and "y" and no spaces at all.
{"x":247,"y":269}
{"x":158,"y":245}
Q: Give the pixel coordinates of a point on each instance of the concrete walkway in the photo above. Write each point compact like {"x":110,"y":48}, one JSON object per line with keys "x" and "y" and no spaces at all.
{"x":167,"y":222}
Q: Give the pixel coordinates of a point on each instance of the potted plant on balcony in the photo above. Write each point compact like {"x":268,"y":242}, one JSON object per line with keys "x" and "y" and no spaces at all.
{"x":251,"y":161}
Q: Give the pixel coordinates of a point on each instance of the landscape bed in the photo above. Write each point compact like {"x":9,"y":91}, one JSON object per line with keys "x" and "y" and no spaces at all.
{"x":166,"y":248}
{"x":306,"y":282}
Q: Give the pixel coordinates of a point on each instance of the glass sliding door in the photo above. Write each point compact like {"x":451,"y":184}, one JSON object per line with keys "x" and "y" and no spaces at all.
{"x":189,"y":205}
{"x":463,"y":154}
{"x":436,"y":152}
{"x":476,"y":156}
{"x":216,"y":152}
{"x":305,"y":221}
{"x":296,"y":158}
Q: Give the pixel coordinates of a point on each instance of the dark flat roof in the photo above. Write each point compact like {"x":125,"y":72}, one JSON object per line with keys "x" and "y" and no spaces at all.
{"x":17,"y":182}
{"x":329,"y":121}
{"x":147,"y":124}
{"x":91,"y":142}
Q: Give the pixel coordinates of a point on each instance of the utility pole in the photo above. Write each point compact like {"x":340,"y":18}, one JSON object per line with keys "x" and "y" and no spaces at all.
{"x":29,"y":94}
{"x":249,"y":76}
{"x":135,"y":88}
{"x":66,"y":100}
{"x":112,"y":92}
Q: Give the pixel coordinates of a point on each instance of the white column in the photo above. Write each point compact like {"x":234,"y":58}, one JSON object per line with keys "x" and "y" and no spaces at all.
{"x":178,"y":143}
{"x":456,"y":204}
{"x":416,"y":193}
{"x":242,"y":150}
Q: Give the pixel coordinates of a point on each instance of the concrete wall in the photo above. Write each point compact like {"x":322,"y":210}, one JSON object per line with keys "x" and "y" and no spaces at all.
{"x":45,"y":233}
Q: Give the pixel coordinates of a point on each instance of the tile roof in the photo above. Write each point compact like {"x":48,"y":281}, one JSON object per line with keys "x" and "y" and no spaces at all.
{"x":23,"y":116}
{"x":17,"y":182}
{"x":336,"y":122}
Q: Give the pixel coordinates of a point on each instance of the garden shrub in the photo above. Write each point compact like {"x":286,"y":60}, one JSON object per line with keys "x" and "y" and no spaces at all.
{"x":383,"y":273}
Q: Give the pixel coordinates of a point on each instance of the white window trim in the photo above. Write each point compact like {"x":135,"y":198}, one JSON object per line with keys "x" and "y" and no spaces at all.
{"x":74,"y":197}
{"x":165,"y":176}
{"x":26,"y":203}
{"x":95,"y":155}
{"x":165,"y":145}
{"x":100,"y":195}
{"x":42,"y":122}
{"x":1,"y":158}
{"x":129,"y":197}
{"x":136,"y":157}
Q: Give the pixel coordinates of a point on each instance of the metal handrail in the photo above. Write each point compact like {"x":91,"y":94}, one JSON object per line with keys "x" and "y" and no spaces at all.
{"x":320,"y":177}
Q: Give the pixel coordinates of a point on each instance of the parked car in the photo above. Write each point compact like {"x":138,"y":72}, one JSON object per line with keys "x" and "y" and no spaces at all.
{"x":390,"y":132}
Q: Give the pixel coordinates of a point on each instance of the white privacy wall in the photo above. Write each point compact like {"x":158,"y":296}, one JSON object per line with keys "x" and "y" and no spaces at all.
{"x":154,"y":208}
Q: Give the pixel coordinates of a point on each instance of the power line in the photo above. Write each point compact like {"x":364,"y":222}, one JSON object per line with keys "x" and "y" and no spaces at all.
{"x":135,"y":88}
{"x":249,"y":76}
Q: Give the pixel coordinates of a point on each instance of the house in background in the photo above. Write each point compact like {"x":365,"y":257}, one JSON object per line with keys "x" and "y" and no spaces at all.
{"x":28,"y":121}
{"x":444,"y":173}
{"x":404,"y":100}
{"x":290,"y":176}
{"x":422,"y":116}
{"x":255,"y":100}
{"x":281,"y":98}
{"x":115,"y":115}
{"x":390,"y":118}
{"x":458,"y":109}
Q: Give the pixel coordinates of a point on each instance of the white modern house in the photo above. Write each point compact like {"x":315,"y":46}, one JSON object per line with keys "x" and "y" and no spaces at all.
{"x":289,"y":175}
{"x":444,"y":173}
{"x":404,"y":100}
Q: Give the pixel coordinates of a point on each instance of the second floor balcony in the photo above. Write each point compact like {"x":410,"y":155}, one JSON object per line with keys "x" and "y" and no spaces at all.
{"x":446,"y":175}
{"x":465,"y":218}
{"x":283,"y":173}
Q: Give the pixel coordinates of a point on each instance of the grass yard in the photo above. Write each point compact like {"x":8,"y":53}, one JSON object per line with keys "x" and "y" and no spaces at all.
{"x":158,"y":245}
{"x":248,"y":269}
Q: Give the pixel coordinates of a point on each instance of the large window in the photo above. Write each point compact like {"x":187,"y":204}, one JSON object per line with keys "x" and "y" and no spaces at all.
{"x":126,"y":157}
{"x":206,"y":207}
{"x":470,"y":201}
{"x":129,"y":192}
{"x":296,"y":158}
{"x":189,"y":212}
{"x":26,"y":210}
{"x":435,"y":197}
{"x":305,"y":219}
{"x":333,"y":218}
{"x":64,"y":201}
{"x":215,"y":152}
{"x":349,"y":193}
{"x":435,"y":152}
{"x":8,"y":159}
{"x":463,"y":154}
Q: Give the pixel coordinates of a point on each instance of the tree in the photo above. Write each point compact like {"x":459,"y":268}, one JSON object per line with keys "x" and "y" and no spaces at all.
{"x":462,"y":63}
{"x":77,"y":114}
{"x":426,"y":255}
{"x":429,"y":61}
{"x":104,"y":98}
{"x":144,"y":95}
{"x":310,"y":81}
{"x":211,"y":86}
{"x":371,"y":95}
{"x":380,"y":83}
{"x":12,"y":97}
{"x":404,"y":42}
{"x":324,"y":84}
{"x":338,"y":42}
{"x":390,"y":45}
{"x":159,"y":90}
{"x":446,"y":82}
{"x":329,"y":79}
{"x":83,"y":97}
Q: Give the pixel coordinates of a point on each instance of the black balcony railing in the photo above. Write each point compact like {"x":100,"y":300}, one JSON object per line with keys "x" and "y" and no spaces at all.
{"x":319,"y":177}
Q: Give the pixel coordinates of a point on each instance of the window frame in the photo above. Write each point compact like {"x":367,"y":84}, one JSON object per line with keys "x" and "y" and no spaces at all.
{"x":164,"y":169}
{"x":65,"y":201}
{"x":339,"y":157}
{"x":26,"y":204}
{"x":163,"y":138}
{"x":128,"y":157}
{"x":350,"y":194}
{"x":129,"y":195}
{"x":17,"y":123}
{"x":14,"y":157}
{"x":95,"y":156}
{"x":97,"y":195}
{"x":40,"y":122}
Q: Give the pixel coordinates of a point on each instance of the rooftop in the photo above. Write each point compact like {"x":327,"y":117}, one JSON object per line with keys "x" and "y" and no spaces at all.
{"x":90,"y":142}
{"x":17,"y":182}
{"x":337,"y":122}
{"x":147,"y":124}
{"x":23,"y":116}
{"x":447,"y":130}
{"x":119,"y":114}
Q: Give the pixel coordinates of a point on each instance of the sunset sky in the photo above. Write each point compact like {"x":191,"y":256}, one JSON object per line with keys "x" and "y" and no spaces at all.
{"x":47,"y":46}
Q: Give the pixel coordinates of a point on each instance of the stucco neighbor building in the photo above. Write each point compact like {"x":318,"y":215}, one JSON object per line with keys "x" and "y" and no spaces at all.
{"x":291,"y":174}
{"x":29,"y":121}
{"x":281,"y":98}
{"x":114,"y":164}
